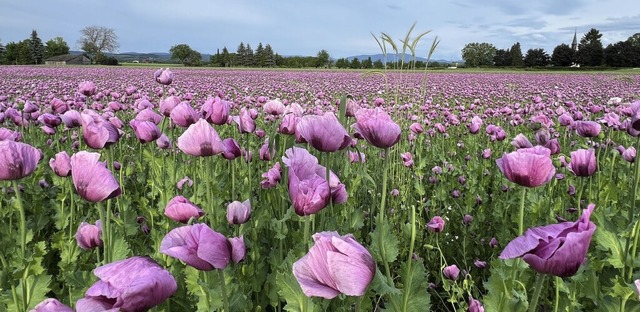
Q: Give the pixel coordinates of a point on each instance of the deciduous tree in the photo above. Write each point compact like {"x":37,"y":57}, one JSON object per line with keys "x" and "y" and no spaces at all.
{"x":536,"y":57}
{"x":478,"y":54}
{"x":187,"y":56}
{"x":323,"y":59}
{"x":562,"y":55}
{"x":55,"y":46}
{"x":97,"y":40}
{"x":502,"y":58}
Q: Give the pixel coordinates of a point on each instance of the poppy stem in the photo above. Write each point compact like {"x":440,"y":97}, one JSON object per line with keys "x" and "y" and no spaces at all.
{"x":630,"y":216}
{"x":383,"y":199}
{"x":407,"y":287}
{"x":23,"y":220}
{"x":536,"y":293}
{"x":521,"y":220}
{"x":557,"y":300}
{"x":225,"y":300}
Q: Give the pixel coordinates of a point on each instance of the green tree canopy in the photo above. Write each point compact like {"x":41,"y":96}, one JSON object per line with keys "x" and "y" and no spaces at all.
{"x":502,"y":58}
{"x":562,"y":55}
{"x":478,"y":54}
{"x":590,"y":50}
{"x":187,"y":56}
{"x":536,"y":57}
{"x":55,"y":46}
{"x":323,"y":59}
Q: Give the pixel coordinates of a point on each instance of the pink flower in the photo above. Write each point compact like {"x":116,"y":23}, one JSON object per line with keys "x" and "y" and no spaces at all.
{"x":335,"y":264}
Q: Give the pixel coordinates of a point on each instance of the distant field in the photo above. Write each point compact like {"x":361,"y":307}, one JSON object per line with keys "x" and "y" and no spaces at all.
{"x":633,"y":71}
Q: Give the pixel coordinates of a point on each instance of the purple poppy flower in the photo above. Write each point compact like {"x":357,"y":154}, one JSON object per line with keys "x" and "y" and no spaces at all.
{"x":583,"y":162}
{"x":245,"y":122}
{"x":145,"y":131}
{"x":377,"y":127}
{"x":182,"y":210}
{"x":216,"y":110}
{"x":271,"y":177}
{"x":416,"y":128}
{"x":239,"y":212}
{"x":51,"y":305}
{"x":168,"y":104}
{"x":308,"y":191}
{"x":335,"y":264}
{"x":100,"y":134}
{"x":163,"y":142}
{"x":91,"y":178}
{"x":274,"y":107}
{"x":163,"y":76}
{"x":553,"y":146}
{"x":556,"y":249}
{"x":486,"y":154}
{"x":184,"y":180}
{"x":9,"y":135}
{"x":200,"y":139}
{"x":324,"y":133}
{"x":149,"y":115}
{"x":530,"y":167}
{"x":466,"y":219}
{"x":356,"y":157}
{"x":133,"y":284}
{"x":480,"y":264}
{"x":50,"y":120}
{"x":587,"y":129}
{"x":184,"y":115}
{"x":87,"y":88}
{"x":629,"y":154}
{"x":71,"y":119}
{"x":493,"y":243}
{"x":89,"y":236}
{"x":288,"y":124}
{"x":17,"y":160}
{"x":61,"y":164}
{"x":474,"y":126}
{"x":198,"y":246}
{"x":232,"y":149}
{"x":407,"y":159}
{"x":521,"y":141}
{"x":475,"y":305}
{"x":451,"y":272}
{"x":436,"y":224}
{"x":265,"y":152}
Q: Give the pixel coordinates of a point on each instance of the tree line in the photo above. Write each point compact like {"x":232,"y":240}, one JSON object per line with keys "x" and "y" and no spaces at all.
{"x":94,"y":41}
{"x":246,"y":56}
{"x":31,"y":50}
{"x":589,"y":52}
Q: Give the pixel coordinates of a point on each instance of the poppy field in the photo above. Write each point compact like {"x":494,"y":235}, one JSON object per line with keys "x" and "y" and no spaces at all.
{"x":135,"y":189}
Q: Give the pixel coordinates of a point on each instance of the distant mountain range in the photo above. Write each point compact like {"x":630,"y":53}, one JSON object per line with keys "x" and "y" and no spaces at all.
{"x":161,"y":57}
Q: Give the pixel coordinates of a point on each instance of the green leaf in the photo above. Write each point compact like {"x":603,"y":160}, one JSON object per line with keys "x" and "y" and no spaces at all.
{"x":381,"y":287}
{"x":197,"y":287}
{"x":37,"y":288}
{"x":120,"y":249}
{"x":383,"y":242}
{"x":414,"y":297}
{"x":502,"y":292}
{"x":290,"y":290}
{"x":608,"y":241}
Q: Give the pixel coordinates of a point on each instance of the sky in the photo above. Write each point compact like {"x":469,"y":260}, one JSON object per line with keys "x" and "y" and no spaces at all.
{"x":344,"y":28}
